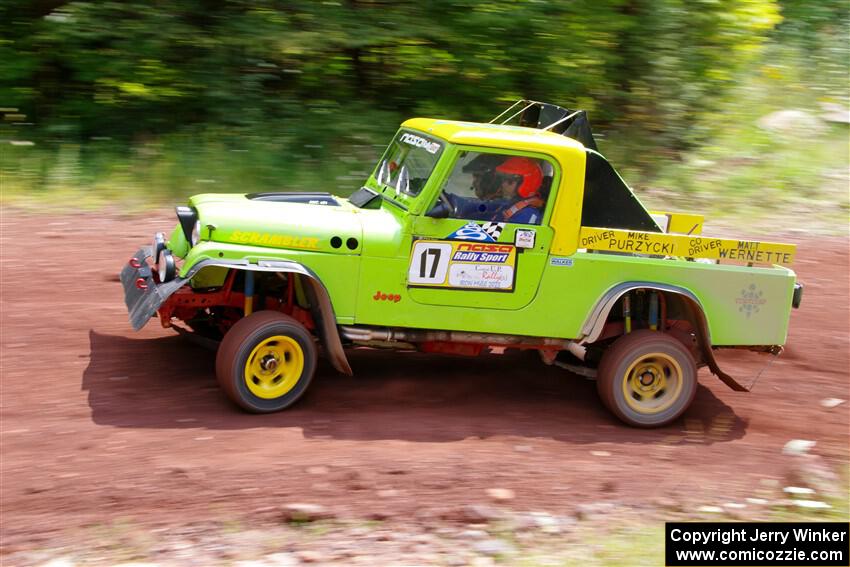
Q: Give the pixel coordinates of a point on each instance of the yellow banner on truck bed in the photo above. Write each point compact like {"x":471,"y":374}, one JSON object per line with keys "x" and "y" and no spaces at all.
{"x":687,"y":246}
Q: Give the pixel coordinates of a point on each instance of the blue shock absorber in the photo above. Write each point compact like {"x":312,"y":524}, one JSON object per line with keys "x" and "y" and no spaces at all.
{"x":627,"y":313}
{"x":653,"y":310}
{"x":249,"y":292}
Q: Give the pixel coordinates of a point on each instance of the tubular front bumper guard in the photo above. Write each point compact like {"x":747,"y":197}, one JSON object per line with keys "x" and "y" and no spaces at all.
{"x":143,"y":294}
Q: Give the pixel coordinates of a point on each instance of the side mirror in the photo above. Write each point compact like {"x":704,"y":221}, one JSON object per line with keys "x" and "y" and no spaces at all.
{"x":439,"y":211}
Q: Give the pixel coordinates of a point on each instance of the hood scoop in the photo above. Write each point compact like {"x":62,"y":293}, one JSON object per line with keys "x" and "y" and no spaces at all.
{"x":304,"y":198}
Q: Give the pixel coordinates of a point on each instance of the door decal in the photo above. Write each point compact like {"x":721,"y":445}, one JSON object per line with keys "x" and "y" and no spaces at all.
{"x":429,"y":262}
{"x":486,"y":232}
{"x":462,"y":265}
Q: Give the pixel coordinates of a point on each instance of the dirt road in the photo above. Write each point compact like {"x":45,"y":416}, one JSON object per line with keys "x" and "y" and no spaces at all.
{"x":100,"y":423}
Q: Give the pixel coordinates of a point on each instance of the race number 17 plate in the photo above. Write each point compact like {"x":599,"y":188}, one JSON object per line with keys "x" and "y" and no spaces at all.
{"x":462,"y":265}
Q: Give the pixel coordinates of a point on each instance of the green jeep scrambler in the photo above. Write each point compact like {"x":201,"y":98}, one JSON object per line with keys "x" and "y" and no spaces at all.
{"x":467,"y":238}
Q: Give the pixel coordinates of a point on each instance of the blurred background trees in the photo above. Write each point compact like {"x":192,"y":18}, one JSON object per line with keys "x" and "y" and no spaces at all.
{"x":263,"y":94}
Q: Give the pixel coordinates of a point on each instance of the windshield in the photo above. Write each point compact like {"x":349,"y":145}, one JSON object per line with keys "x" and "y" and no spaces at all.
{"x":408,"y":162}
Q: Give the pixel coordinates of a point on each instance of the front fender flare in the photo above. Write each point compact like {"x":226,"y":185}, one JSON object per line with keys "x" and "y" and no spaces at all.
{"x":322,"y":307}
{"x":593,"y":325}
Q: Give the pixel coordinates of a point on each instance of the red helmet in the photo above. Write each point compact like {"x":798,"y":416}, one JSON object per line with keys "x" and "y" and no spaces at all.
{"x":527,"y":170}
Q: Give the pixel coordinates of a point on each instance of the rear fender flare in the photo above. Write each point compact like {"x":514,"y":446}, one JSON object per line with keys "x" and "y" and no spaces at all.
{"x":593,"y":325}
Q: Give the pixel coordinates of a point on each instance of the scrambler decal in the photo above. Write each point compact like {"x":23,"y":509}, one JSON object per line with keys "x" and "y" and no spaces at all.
{"x":462,"y":265}
{"x":274,"y":240}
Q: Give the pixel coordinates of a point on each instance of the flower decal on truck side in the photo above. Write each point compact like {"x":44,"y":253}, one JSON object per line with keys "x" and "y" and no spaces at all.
{"x":750,"y":301}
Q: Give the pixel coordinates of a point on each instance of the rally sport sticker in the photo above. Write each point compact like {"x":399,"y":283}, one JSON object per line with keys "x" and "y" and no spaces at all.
{"x":462,"y":265}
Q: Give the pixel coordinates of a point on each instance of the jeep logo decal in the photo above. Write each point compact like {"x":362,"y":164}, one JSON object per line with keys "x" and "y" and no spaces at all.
{"x":395,"y":298}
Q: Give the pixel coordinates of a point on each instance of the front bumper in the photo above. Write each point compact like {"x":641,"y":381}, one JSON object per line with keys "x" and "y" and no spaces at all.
{"x":143,"y":294}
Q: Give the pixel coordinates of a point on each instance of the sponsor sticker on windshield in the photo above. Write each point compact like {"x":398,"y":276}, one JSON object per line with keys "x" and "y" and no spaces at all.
{"x":419,"y":142}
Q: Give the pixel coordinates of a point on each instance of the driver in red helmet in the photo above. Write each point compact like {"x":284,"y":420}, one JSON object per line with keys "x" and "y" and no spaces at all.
{"x":520,"y":179}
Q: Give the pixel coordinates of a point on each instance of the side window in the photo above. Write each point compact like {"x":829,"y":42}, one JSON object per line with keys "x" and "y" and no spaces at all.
{"x":498,"y":187}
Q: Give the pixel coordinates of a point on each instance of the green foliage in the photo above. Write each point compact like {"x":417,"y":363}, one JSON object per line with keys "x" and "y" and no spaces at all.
{"x":170,"y":98}
{"x":137,"y":69}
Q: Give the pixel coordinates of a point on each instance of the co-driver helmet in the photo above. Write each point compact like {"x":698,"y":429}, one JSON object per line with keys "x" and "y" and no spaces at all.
{"x":527,"y":171}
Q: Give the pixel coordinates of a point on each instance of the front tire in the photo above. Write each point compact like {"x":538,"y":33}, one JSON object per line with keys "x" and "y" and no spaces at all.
{"x":647,"y":378}
{"x":266,"y":362}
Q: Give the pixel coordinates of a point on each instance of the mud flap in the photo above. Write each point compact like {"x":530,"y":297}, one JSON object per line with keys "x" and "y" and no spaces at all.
{"x":725,"y":378}
{"x":774,"y":351}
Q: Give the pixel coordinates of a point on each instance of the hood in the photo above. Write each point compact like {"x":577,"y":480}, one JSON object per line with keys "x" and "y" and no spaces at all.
{"x":301,"y":221}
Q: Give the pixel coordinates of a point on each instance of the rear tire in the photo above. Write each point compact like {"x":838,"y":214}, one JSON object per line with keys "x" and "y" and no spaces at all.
{"x":266,"y":362}
{"x":647,"y":378}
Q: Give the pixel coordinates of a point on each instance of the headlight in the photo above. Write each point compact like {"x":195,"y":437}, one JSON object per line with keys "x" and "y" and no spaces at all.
{"x":158,"y":246}
{"x":196,"y":234}
{"x":166,"y":267}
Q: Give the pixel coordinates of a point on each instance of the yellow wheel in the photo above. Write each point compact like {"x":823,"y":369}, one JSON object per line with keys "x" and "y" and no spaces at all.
{"x":647,"y":378}
{"x":274,"y":367}
{"x":652,"y":383}
{"x":266,"y":361}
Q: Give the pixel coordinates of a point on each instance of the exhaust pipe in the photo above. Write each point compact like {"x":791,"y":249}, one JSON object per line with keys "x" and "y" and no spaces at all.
{"x":370,"y":334}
